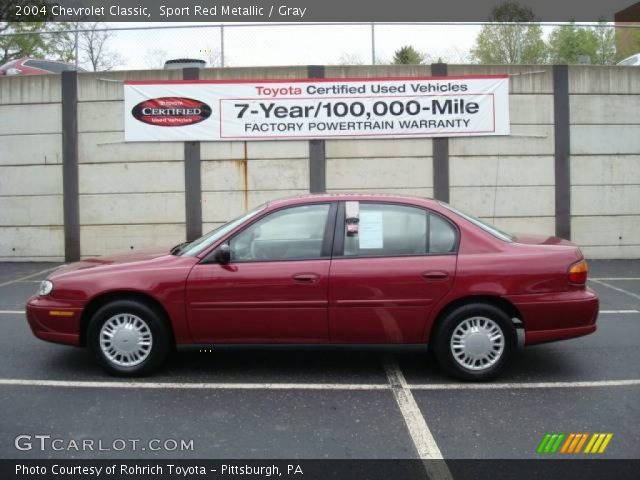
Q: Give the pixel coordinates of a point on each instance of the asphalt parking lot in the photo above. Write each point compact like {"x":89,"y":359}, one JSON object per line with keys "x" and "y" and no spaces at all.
{"x":262,"y":402}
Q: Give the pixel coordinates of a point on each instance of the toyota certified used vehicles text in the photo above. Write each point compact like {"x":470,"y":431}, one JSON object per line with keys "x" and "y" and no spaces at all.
{"x":327,"y":269}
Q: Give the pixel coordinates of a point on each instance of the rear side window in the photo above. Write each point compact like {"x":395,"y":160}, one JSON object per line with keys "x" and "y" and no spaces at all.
{"x":387,"y":230}
{"x":442,"y":235}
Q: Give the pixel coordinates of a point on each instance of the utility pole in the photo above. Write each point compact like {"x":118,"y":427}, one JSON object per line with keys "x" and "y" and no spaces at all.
{"x":75,"y":42}
{"x":221,"y":45}
{"x":373,"y":43}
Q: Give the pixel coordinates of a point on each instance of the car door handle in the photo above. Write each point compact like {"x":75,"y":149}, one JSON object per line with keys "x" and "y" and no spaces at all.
{"x":435,"y":275}
{"x":306,"y":277}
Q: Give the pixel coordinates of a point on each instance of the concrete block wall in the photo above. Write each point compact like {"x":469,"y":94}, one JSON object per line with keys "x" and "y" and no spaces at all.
{"x":510,"y":181}
{"x":403,"y":166}
{"x":238,"y":176}
{"x":31,"y":218}
{"x":605,"y":160}
{"x":132,"y":195}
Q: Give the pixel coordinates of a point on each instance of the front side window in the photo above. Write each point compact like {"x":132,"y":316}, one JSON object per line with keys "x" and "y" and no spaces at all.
{"x":199,"y":245}
{"x":295,"y":233}
{"x":388,"y":230}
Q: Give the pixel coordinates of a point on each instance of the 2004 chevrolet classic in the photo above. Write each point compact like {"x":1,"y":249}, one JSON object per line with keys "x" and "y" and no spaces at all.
{"x":327,"y":269}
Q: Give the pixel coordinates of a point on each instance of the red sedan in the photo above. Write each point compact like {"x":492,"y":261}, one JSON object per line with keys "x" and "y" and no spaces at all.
{"x":320,"y":269}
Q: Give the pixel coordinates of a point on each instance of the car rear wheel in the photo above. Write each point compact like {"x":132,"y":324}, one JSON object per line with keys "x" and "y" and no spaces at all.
{"x":128,"y":338}
{"x":475,"y":342}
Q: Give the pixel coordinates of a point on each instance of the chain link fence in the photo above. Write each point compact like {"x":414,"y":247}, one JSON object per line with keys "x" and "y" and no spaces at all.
{"x":120,"y":46}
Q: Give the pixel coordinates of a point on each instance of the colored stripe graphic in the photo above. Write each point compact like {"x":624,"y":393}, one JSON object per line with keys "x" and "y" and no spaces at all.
{"x":581,"y":442}
{"x":543,"y":443}
{"x":556,"y":445}
{"x":570,"y":438}
{"x":598,"y":443}
{"x":550,"y":443}
{"x":572,"y":443}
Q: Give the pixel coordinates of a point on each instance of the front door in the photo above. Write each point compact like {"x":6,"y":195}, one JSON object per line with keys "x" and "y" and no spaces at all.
{"x":275,"y":289}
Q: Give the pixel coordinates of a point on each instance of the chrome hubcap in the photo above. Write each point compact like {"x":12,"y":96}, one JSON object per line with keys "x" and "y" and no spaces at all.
{"x":126,"y":340}
{"x":477,"y":343}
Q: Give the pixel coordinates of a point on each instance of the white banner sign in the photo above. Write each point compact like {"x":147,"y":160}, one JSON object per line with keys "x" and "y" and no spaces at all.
{"x":318,"y":108}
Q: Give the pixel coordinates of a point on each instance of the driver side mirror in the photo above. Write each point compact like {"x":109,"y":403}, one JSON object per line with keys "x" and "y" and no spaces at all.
{"x":222,"y":254}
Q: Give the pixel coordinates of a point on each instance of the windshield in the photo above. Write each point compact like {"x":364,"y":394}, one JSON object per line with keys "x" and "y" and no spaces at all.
{"x":204,"y":242}
{"x":496,"y":232}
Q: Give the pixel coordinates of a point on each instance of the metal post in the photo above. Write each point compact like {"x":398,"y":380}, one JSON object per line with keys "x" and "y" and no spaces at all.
{"x":317,"y":154}
{"x":440,"y":151}
{"x":70,"y":188}
{"x":562,"y":142}
{"x":373,"y":43}
{"x":221,"y":45}
{"x":192,"y":177}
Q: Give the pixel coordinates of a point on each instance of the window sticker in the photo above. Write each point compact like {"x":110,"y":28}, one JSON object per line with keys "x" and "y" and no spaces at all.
{"x":370,"y":230}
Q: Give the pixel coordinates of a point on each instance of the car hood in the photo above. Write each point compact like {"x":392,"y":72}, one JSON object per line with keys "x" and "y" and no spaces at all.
{"x":529,"y":239}
{"x":119,"y":259}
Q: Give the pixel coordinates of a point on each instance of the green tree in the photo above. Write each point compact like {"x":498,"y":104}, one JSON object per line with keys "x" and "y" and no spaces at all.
{"x":502,"y":42}
{"x":408,"y":55}
{"x":606,"y":40}
{"x":35,"y":39}
{"x":21,"y":40}
{"x":569,"y":43}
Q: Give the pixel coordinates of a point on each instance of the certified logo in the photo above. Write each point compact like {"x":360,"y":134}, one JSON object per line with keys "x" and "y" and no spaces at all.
{"x":171,"y":111}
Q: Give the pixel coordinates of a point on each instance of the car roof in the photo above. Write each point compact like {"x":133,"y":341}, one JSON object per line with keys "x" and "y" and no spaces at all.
{"x":334,"y":197}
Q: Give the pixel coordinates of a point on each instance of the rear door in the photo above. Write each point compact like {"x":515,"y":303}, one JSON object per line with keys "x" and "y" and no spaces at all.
{"x":392,"y":263}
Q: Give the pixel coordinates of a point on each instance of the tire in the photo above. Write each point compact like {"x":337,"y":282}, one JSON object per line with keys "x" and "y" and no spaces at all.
{"x":128,"y":338}
{"x":463,"y":343}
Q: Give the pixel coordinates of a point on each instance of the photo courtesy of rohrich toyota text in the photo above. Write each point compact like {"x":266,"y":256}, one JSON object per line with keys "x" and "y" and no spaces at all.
{"x":319,"y":240}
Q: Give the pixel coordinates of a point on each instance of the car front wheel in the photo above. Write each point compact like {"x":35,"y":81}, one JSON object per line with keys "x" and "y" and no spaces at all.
{"x":475,"y":342}
{"x":128,"y":338}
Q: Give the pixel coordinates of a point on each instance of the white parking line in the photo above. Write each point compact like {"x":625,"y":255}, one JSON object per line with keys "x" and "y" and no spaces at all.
{"x":618,"y":289}
{"x":27,"y":277}
{"x":192,"y":386}
{"x":525,"y":385}
{"x":398,"y":380}
{"x":420,"y":434}
{"x":619,"y":311}
{"x":12,"y":312}
{"x":25,"y":382}
{"x":614,"y":278}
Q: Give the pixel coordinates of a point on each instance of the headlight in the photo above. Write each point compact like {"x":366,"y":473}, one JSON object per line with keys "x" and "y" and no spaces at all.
{"x":45,"y":287}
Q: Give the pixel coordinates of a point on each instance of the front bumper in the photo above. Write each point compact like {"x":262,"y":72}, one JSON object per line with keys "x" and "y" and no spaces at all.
{"x":54,"y":320}
{"x":549,"y":317}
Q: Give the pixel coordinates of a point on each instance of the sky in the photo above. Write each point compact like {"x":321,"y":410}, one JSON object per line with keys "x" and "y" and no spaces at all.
{"x":295,"y":44}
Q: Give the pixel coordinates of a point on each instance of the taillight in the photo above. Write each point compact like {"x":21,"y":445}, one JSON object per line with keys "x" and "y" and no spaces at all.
{"x":578,"y":272}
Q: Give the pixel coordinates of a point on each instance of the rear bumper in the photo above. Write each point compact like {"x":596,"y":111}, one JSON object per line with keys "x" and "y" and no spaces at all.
{"x":54,"y":321}
{"x":541,"y":336}
{"x":557,"y":316}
